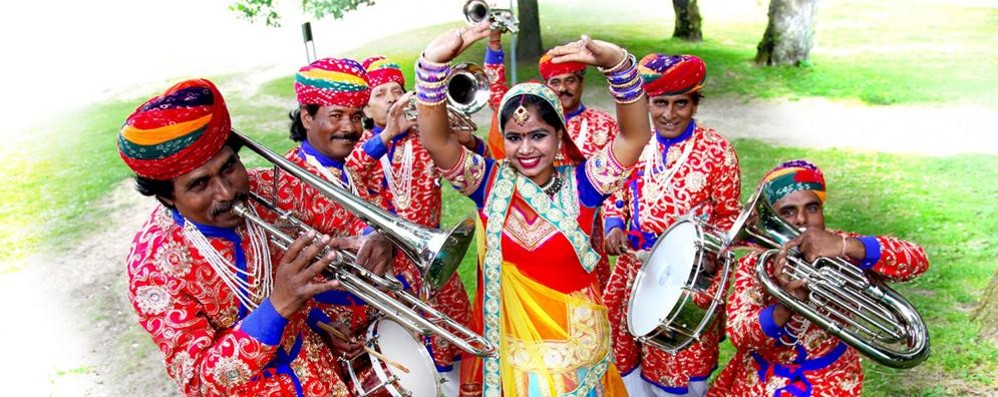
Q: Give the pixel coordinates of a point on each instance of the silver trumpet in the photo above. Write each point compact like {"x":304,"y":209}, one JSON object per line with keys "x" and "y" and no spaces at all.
{"x":476,"y":11}
{"x":467,"y":93}
{"x":436,"y":253}
{"x":843,"y":300}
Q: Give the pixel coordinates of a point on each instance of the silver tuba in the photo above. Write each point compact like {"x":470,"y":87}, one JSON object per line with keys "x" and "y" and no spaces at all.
{"x":476,"y":11}
{"x":842,"y":299}
{"x":436,"y":253}
{"x":467,"y":93}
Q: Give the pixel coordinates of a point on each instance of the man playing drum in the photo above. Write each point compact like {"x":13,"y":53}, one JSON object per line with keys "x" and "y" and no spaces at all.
{"x":779,"y":352}
{"x":686,"y":169}
{"x":226,"y":308}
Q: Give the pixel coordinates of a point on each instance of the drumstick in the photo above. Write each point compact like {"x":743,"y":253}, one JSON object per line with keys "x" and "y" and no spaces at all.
{"x":328,"y":328}
{"x":386,"y":359}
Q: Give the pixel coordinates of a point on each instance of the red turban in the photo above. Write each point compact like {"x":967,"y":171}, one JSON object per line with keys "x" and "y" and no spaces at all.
{"x":380,"y":70}
{"x":671,"y":74}
{"x":174,"y":133}
{"x":550,"y":69}
{"x":332,"y":82}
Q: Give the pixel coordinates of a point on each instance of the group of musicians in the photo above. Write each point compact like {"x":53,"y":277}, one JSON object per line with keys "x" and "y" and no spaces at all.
{"x":559,"y":186}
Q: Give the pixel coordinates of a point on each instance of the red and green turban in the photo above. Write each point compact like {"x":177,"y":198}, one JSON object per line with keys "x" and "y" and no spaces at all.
{"x":381,"y":70}
{"x":174,"y":133}
{"x":671,"y":74}
{"x":793,"y":176}
{"x":550,"y":69}
{"x":332,"y":82}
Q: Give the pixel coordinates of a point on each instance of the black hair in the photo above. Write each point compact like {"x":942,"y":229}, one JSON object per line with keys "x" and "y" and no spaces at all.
{"x":543,"y":108}
{"x":696,"y":97}
{"x":298,"y":132}
{"x":164,"y":188}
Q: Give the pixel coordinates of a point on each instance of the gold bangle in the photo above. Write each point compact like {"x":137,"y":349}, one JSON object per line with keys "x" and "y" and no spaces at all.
{"x":619,"y":66}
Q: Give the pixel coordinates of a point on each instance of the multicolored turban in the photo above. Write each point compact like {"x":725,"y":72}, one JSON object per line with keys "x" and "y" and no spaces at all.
{"x":174,"y":133}
{"x":671,"y":74}
{"x":332,"y":82}
{"x":568,"y":148}
{"x":380,"y":70}
{"x":793,"y":176}
{"x":550,"y":69}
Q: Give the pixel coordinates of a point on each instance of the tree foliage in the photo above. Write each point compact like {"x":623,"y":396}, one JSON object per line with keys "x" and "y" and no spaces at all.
{"x":254,"y":10}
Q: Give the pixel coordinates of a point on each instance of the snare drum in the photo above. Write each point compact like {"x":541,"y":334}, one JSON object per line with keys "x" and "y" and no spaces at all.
{"x":392,"y":341}
{"x":661,"y":309}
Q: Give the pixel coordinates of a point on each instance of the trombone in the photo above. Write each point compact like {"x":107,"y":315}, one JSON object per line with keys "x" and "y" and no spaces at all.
{"x":467,"y":93}
{"x":436,"y":253}
{"x":860,"y":310}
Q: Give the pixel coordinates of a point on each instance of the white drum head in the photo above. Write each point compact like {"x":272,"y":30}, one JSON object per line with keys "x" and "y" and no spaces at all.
{"x":400,"y":346}
{"x":659,"y":284}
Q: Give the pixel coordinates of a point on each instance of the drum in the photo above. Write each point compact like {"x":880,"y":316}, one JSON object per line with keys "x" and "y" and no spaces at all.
{"x":395,"y":347}
{"x":681,"y":265}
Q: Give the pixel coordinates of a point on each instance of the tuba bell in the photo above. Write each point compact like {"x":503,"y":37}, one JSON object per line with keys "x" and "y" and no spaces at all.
{"x":467,"y":93}
{"x":476,"y":11}
{"x":844,"y":301}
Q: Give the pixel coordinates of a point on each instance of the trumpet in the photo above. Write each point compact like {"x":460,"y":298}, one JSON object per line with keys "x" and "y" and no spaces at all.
{"x":860,"y":310}
{"x":467,"y":93}
{"x":476,"y":11}
{"x":436,"y":254}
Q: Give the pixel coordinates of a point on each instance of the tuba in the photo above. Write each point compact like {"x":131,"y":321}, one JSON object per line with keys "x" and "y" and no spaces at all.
{"x":436,"y":253}
{"x":843,"y":300}
{"x":476,"y":11}
{"x":467,"y":93}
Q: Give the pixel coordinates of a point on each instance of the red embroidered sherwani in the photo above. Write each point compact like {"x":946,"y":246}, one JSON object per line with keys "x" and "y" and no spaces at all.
{"x":590,"y":129}
{"x":826,"y":365}
{"x":417,"y":202}
{"x":706,"y":184}
{"x":213,"y":345}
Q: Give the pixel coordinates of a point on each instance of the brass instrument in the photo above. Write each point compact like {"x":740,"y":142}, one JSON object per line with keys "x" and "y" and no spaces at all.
{"x":476,"y":11}
{"x":436,"y":253}
{"x":467,"y":93}
{"x":858,"y":309}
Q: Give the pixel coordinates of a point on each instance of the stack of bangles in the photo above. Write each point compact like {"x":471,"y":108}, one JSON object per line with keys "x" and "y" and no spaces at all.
{"x":625,"y":83}
{"x":431,"y":78}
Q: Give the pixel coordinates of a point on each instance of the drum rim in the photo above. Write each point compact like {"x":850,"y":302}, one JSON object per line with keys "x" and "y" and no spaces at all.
{"x":379,"y":366}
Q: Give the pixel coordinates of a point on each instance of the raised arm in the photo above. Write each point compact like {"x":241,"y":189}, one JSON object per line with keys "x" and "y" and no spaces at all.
{"x":620,"y":69}
{"x":431,"y":92}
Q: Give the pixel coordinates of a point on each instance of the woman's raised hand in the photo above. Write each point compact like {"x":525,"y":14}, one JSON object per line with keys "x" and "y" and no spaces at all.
{"x":453,"y":42}
{"x":588,"y":51}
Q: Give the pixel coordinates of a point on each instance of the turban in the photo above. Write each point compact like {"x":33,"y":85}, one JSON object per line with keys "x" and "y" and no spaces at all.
{"x":176,"y":132}
{"x":550,"y":69}
{"x":671,"y":74}
{"x":332,"y":82}
{"x":569,"y":150}
{"x":793,"y":176}
{"x":380,"y":70}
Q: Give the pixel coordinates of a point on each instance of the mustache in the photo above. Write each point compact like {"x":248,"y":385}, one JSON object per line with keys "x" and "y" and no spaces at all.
{"x":565,"y":94}
{"x":349,"y":136}
{"x":225,"y":207}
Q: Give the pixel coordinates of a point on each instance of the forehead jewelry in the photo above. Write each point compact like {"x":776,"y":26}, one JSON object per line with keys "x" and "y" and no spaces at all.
{"x":521,"y":115}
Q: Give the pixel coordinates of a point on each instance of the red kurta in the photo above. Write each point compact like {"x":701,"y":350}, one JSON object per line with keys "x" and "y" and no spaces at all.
{"x":747,"y":312}
{"x":194,"y":318}
{"x":707,"y":184}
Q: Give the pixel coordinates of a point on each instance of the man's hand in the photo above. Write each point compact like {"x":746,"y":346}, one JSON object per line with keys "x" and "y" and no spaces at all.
{"x":397,"y":121}
{"x":374,"y":251}
{"x":616,"y":242}
{"x":342,"y":340}
{"x":294,"y":281}
{"x":815,"y":243}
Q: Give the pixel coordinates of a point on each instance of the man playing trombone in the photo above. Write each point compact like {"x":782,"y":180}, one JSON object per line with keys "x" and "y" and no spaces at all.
{"x":227,"y":309}
{"x":779,"y":351}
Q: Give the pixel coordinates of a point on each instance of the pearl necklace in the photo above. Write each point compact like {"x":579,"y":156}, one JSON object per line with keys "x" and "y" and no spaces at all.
{"x":400,"y":183}
{"x":249,"y":294}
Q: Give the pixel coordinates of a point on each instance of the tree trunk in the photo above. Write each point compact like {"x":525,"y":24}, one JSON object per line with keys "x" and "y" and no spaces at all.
{"x":789,"y":35}
{"x":687,"y":20}
{"x":986,"y":314}
{"x":528,"y":40}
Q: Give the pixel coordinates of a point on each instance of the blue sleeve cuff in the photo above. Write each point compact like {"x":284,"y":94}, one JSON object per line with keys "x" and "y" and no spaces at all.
{"x":494,"y":57}
{"x":769,"y":326}
{"x":872,"y":251}
{"x":367,"y":230}
{"x":315,"y":316}
{"x":265,"y":324}
{"x":479,"y":146}
{"x":613,"y":222}
{"x":339,"y":298}
{"x":374,"y":147}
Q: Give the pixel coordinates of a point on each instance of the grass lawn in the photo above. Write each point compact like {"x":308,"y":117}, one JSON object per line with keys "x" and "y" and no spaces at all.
{"x":929,"y":53}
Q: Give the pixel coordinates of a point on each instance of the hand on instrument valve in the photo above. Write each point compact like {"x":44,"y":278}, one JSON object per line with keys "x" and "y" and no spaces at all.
{"x":374,"y":251}
{"x":452,"y":43}
{"x":295,"y":281}
{"x":397,"y":121}
{"x":616,"y":242}
{"x":816,"y":242}
{"x":588,"y":51}
{"x":795,"y":287}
